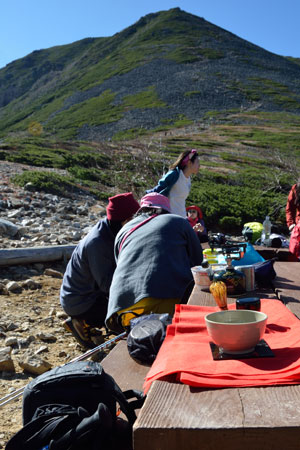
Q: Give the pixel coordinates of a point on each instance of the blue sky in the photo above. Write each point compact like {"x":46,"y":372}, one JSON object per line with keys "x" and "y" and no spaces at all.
{"x":28,"y":25}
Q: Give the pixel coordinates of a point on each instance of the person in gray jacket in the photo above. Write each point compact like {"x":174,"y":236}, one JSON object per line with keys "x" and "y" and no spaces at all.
{"x":87,"y":279}
{"x":155,"y":252}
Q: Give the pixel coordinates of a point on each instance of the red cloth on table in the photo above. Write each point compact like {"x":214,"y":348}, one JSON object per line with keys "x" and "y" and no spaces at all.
{"x":186,"y":352}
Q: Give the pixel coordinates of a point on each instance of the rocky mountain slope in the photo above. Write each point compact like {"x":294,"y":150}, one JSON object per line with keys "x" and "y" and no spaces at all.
{"x":169,"y":68}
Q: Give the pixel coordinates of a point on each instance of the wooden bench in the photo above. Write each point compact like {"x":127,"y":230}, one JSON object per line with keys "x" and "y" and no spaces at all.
{"x":281,"y":254}
{"x":287,"y":284}
{"x":127,"y":373}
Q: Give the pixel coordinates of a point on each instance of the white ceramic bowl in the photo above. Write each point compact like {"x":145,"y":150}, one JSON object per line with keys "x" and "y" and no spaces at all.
{"x":236,"y":331}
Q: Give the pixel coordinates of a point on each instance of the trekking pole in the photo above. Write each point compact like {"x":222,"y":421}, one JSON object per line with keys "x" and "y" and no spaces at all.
{"x":9,"y":397}
{"x":95,"y":350}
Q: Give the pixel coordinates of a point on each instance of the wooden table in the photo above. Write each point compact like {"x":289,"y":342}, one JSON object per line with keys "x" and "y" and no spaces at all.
{"x":287,"y":284}
{"x":177,"y":416}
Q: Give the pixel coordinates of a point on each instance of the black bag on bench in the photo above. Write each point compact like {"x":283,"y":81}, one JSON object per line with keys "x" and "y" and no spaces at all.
{"x":90,"y":394}
{"x":146,"y":336}
{"x":264,"y":272}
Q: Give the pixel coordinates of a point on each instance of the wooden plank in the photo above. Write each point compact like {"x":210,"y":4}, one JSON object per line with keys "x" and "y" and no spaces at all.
{"x":11,"y":256}
{"x":127,"y":373}
{"x":179,"y":417}
{"x":266,"y":252}
{"x":283,"y":254}
{"x":287,"y":284}
{"x":199,"y":297}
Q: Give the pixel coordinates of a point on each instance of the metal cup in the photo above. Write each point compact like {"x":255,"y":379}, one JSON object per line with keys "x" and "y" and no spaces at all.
{"x":249,"y":276}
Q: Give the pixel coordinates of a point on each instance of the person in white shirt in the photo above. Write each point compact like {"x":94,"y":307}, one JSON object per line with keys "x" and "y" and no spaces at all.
{"x":176,"y":184}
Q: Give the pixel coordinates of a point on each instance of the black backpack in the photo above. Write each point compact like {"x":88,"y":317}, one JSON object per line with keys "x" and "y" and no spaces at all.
{"x":64,"y":427}
{"x":78,"y":399}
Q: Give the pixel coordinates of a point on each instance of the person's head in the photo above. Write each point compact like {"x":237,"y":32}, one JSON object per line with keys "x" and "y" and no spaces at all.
{"x":154,"y":203}
{"x":187,"y":160}
{"x":120,"y":209}
{"x":194,"y":212}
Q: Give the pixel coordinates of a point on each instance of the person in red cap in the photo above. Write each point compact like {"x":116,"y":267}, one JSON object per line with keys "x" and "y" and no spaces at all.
{"x":195,"y":218}
{"x":87,"y":279}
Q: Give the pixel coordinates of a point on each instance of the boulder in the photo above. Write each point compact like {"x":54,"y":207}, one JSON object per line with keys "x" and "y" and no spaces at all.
{"x":34,"y":364}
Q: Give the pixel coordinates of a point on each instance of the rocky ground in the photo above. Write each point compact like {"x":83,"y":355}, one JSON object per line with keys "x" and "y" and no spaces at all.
{"x":29,"y":218}
{"x":32,"y":336}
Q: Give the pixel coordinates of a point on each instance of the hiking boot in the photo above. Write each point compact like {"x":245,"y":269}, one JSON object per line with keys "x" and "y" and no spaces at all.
{"x":98,"y":357}
{"x":97,"y":337}
{"x":81,"y":331}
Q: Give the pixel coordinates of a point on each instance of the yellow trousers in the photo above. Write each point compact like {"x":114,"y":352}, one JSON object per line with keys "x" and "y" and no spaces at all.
{"x":146,"y":306}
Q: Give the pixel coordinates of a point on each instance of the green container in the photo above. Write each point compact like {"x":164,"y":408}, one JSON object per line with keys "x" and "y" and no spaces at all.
{"x":252,"y":231}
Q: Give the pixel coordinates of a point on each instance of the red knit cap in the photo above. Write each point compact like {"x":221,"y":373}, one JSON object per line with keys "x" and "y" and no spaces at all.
{"x":200,"y":215}
{"x":121,"y":207}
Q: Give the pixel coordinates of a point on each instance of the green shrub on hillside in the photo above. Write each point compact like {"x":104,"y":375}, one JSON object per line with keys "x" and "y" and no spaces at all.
{"x":129,"y":134}
{"x":245,"y":204}
{"x":85,"y":159}
{"x":34,"y":156}
{"x":229,"y":223}
{"x":147,"y":98}
{"x":101,"y":110}
{"x":94,"y":111}
{"x":46,"y":181}
{"x":264,"y":138}
{"x":192,"y":93}
{"x":257,"y":87}
{"x":46,"y":153}
{"x":85,"y":175}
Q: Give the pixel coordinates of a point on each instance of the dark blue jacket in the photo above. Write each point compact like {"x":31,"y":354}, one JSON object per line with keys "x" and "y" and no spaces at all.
{"x":89,"y":272}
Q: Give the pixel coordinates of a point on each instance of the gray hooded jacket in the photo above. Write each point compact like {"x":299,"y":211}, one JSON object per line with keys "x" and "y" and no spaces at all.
{"x":155,"y":261}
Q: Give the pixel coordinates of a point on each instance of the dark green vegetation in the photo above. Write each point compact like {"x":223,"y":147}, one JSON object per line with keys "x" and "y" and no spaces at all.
{"x":246,"y":170}
{"x":168,"y":69}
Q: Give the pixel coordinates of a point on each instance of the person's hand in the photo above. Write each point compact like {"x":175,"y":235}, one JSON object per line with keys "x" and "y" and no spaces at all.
{"x":198,"y":227}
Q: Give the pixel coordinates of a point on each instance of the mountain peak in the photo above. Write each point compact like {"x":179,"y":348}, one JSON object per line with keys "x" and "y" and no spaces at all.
{"x":168,"y":68}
